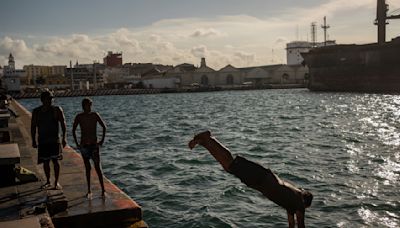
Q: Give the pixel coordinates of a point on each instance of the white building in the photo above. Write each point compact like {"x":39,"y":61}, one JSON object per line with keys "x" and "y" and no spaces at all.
{"x":232,"y":77}
{"x":295,"y":48}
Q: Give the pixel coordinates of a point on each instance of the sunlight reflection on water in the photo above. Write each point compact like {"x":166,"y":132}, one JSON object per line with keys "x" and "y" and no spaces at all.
{"x":342,"y":147}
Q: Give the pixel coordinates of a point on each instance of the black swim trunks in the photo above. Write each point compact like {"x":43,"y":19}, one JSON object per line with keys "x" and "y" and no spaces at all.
{"x":252,"y":174}
{"x":257,"y":177}
{"x":89,"y":151}
{"x":49,"y":151}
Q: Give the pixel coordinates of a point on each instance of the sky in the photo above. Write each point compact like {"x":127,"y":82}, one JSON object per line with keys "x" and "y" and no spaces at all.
{"x":236,"y":32}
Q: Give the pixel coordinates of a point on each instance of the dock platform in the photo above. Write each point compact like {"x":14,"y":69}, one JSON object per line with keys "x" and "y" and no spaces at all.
{"x":33,"y":206}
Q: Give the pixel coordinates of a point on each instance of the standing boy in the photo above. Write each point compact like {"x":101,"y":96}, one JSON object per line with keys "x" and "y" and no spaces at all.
{"x":46,"y":119}
{"x":89,"y":146}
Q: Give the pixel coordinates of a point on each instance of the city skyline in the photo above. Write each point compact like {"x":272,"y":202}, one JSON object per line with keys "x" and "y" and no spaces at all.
{"x":224,"y":32}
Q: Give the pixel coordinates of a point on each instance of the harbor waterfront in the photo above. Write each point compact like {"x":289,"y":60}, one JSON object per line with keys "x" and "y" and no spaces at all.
{"x":27,"y":203}
{"x":343,"y":147}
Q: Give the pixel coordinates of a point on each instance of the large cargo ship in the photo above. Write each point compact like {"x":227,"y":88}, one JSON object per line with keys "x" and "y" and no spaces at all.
{"x":357,"y":68}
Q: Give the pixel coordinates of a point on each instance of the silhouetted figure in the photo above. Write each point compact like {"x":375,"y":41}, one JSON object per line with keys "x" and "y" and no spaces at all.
{"x":89,"y":146}
{"x":293,"y":199}
{"x":46,"y":119}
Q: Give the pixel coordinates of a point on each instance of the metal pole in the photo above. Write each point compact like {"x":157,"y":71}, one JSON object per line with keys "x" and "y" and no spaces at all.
{"x":94,"y":76}
{"x":325,"y":27}
{"x":313,"y":34}
{"x":381,"y":17}
{"x":72,"y":75}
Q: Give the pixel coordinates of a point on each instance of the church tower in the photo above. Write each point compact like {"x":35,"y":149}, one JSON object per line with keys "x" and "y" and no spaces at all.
{"x":11,"y":62}
{"x":203,"y":62}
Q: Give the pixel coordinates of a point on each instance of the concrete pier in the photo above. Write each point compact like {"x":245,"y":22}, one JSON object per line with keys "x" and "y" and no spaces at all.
{"x":28,"y":205}
{"x":108,"y":92}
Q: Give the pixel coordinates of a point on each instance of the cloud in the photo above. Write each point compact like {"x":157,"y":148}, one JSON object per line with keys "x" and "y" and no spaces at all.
{"x":329,"y":8}
{"x":394,"y":5}
{"x":281,"y":40}
{"x":123,"y":38}
{"x":61,"y":50}
{"x":155,"y":38}
{"x":17,"y":46}
{"x":210,"y":32}
{"x":199,"y":51}
{"x":248,"y":58}
{"x":174,"y":41}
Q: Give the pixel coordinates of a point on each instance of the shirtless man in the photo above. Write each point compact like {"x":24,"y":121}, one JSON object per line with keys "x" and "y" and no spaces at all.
{"x":46,"y":119}
{"x":293,"y":199}
{"x":89,"y":146}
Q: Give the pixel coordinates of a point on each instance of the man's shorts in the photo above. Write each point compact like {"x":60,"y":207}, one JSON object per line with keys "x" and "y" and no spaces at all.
{"x":49,"y":151}
{"x":263,"y":180}
{"x":89,"y":151}
{"x":252,"y":174}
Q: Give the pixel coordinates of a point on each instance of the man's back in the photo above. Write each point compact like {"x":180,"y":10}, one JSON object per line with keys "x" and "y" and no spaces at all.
{"x":46,"y":121}
{"x":264,"y":180}
{"x":287,"y":196}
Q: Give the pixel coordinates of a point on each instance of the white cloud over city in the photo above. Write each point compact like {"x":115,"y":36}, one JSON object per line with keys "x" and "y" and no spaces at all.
{"x":240,"y":40}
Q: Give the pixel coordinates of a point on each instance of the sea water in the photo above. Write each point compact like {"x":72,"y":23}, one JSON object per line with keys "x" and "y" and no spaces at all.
{"x":342,"y":147}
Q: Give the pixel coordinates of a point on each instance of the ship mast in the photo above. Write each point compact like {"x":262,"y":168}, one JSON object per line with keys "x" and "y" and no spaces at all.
{"x":381,"y":20}
{"x":325,"y":27}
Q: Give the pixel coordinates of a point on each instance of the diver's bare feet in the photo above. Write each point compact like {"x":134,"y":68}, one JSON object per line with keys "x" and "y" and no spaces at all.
{"x":199,"y":139}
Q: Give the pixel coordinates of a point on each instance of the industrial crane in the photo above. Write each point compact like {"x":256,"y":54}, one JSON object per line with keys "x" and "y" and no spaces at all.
{"x":381,"y":19}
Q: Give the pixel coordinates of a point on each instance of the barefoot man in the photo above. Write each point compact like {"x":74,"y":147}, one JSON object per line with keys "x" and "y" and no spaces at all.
{"x":46,"y":120}
{"x":89,"y":146}
{"x":291,"y":198}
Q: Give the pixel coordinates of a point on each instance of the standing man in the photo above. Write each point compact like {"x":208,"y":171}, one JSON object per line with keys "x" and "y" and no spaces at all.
{"x":286,"y":195}
{"x":46,"y":119}
{"x":89,"y":146}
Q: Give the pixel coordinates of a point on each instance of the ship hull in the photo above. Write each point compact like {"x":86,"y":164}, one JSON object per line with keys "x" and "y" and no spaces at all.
{"x":355,"y":68}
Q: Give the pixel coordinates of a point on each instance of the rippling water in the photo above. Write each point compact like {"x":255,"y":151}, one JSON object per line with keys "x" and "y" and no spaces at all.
{"x":343,"y":147}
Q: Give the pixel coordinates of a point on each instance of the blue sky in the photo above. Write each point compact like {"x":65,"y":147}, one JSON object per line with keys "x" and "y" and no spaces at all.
{"x":237,"y":32}
{"x":74,"y":16}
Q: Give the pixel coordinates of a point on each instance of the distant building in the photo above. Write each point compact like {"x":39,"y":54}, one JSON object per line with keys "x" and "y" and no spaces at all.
{"x":188,"y":76}
{"x":12,"y":77}
{"x":113,"y":59}
{"x":295,"y":48}
{"x":85,"y":76}
{"x":185,"y":67}
{"x":274,"y":74}
{"x":58,"y":70}
{"x":140,"y":68}
{"x":10,"y":68}
{"x":229,"y":76}
{"x":204,"y":75}
{"x":37,"y":75}
{"x":180,"y":75}
{"x":115,"y":74}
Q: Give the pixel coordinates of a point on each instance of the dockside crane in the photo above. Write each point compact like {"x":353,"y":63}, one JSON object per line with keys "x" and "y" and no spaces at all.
{"x":381,"y":19}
